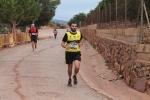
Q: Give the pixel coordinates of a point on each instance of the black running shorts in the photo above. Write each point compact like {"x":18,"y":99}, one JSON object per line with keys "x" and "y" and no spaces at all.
{"x":71,"y":56}
{"x":55,"y":35}
{"x":34,"y":38}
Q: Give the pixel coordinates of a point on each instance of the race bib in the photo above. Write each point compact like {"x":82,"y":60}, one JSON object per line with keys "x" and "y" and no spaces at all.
{"x":74,"y":45}
{"x":33,"y":33}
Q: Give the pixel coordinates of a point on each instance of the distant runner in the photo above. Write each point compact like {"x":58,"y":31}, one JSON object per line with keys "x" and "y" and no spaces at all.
{"x":72,"y":41}
{"x":33,"y":33}
{"x":67,"y":30}
{"x":55,"y":33}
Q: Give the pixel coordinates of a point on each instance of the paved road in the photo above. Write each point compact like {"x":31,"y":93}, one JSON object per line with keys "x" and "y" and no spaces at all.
{"x":40,"y":75}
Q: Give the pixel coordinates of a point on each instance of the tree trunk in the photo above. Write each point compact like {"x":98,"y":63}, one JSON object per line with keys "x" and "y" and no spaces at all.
{"x":13,"y":26}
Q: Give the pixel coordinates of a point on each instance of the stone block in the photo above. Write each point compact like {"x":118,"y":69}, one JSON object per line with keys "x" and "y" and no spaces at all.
{"x":144,"y":68}
{"x":137,"y":32}
{"x":134,"y":73}
{"x":132,"y":32}
{"x":138,"y":64}
{"x":92,"y":26}
{"x":147,"y":64}
{"x":147,"y":87}
{"x":148,"y":68}
{"x":140,"y":48}
{"x":128,"y":80}
{"x":134,"y":67}
{"x":122,"y":67}
{"x":148,"y":82}
{"x":121,"y":31}
{"x":117,"y":66}
{"x":140,"y":74}
{"x":114,"y":31}
{"x":129,"y":32}
{"x":146,"y":73}
{"x":147,"y":48}
{"x":147,"y":32}
{"x":143,"y":56}
{"x":140,"y":84}
{"x":148,"y":91}
{"x":130,"y":39}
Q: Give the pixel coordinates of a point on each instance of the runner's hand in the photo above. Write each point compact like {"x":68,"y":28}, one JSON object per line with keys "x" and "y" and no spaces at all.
{"x":68,"y":47}
{"x":80,"y":44}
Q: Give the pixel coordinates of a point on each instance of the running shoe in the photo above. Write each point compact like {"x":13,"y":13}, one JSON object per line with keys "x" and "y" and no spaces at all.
{"x":69,"y":82}
{"x":75,"y":80}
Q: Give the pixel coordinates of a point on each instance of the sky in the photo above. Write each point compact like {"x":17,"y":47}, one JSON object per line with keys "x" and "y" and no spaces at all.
{"x":68,"y":8}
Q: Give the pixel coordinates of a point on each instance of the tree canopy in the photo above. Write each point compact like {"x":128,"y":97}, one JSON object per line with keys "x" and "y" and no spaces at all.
{"x":26,"y":12}
{"x":15,"y":11}
{"x":48,"y":8}
{"x":91,"y":11}
{"x":78,"y":18}
{"x":48,"y":11}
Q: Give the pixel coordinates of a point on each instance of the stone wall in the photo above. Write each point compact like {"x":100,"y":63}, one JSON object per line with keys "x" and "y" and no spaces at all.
{"x":123,"y":53}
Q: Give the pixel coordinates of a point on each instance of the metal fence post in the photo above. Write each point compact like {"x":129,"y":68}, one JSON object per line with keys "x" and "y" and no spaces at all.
{"x":125,"y":12}
{"x":141,"y":29}
{"x":116,"y":14}
{"x":146,"y":15}
{"x":99,"y":16}
{"x":110,"y":15}
{"x":102,"y":17}
{"x":105,"y":16}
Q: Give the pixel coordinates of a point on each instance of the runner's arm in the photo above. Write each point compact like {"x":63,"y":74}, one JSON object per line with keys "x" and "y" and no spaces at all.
{"x":30,"y":32}
{"x":64,"y":40}
{"x":63,"y":44}
{"x":81,"y":41}
{"x":37,"y":32}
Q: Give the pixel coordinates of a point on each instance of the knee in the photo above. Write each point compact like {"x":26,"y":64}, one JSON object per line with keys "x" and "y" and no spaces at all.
{"x":77,"y":67}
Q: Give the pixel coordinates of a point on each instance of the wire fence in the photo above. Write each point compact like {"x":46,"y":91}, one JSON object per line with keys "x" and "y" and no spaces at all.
{"x":119,"y":14}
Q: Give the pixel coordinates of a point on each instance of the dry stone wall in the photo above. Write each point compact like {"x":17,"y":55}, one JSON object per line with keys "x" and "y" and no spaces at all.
{"x":122,"y":54}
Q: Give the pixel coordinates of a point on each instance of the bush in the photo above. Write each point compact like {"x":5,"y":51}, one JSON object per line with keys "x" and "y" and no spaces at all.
{"x":5,"y":28}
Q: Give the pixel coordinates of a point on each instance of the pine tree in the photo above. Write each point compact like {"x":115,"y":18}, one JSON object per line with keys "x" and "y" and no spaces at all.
{"x":15,"y":11}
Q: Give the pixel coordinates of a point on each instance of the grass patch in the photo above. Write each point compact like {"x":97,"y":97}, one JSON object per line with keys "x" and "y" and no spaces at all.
{"x":106,"y":61}
{"x":120,"y":72}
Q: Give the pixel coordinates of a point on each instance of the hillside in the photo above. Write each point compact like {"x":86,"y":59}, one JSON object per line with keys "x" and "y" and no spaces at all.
{"x":59,"y":21}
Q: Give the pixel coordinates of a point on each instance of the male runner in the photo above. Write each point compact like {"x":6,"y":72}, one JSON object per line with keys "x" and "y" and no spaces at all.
{"x":33,"y":33}
{"x":72,"y":41}
{"x":55,"y":33}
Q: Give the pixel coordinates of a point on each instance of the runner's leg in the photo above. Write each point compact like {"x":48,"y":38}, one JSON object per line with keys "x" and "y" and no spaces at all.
{"x":77,"y":67}
{"x":69,"y":70}
{"x":69,"y":61}
{"x":35,"y":42}
{"x":33,"y":45}
{"x":69,"y":74}
{"x":76,"y":70}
